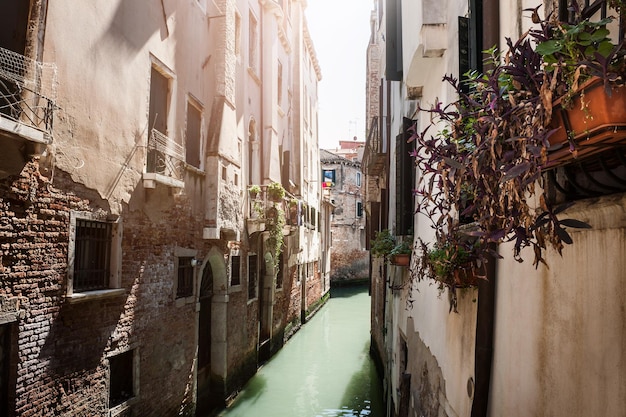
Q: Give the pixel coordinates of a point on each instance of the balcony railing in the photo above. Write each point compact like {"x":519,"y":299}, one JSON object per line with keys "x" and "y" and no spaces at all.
{"x":375,"y":156}
{"x":165,"y":158}
{"x":27,"y":95}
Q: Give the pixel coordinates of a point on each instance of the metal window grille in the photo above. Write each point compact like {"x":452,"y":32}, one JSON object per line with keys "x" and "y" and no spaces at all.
{"x":92,"y":255}
{"x":185,"y":277}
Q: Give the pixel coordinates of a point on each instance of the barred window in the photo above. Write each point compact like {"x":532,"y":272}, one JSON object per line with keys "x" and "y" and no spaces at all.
{"x":185,"y":277}
{"x":92,"y":256}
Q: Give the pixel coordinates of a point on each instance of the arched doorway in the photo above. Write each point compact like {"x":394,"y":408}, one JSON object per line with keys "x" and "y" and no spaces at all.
{"x":205,"y":401}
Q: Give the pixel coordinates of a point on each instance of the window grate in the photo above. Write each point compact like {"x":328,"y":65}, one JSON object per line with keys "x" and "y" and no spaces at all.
{"x":92,"y":256}
{"x":185,"y":277}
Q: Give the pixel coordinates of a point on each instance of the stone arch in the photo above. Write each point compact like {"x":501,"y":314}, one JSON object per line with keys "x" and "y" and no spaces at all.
{"x":215,"y":259}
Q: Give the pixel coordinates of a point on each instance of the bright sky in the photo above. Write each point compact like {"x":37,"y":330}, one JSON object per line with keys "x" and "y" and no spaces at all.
{"x":340,"y":30}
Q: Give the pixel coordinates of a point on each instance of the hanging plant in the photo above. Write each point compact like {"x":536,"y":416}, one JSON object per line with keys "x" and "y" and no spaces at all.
{"x":495,"y":139}
{"x":274,"y":225}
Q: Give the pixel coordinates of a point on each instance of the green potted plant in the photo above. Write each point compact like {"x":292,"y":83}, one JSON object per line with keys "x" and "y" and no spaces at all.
{"x":275,"y":192}
{"x":382,"y":244}
{"x":401,"y":253}
{"x":450,"y":264}
{"x":585,"y":69}
{"x":254,"y":191}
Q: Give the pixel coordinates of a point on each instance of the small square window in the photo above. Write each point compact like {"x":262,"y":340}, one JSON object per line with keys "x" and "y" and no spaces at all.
{"x":185,"y":277}
{"x":121,"y":378}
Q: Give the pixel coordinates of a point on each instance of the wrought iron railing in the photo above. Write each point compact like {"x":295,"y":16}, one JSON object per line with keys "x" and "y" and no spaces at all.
{"x":165,"y":156}
{"x":373,"y":137}
{"x":27,"y":90}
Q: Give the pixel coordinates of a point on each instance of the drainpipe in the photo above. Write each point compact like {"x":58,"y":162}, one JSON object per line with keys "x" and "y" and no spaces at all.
{"x":485,"y":320}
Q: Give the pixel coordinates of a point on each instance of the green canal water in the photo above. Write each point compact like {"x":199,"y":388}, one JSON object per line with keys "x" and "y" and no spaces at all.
{"x":324,"y":370}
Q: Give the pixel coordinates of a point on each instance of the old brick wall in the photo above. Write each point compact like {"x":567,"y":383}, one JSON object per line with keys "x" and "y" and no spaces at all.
{"x":63,"y":347}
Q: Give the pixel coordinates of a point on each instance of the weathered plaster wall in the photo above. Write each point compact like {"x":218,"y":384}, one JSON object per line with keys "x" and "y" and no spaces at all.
{"x":560,"y":331}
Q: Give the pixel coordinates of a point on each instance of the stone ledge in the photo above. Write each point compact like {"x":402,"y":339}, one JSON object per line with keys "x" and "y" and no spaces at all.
{"x":94,"y":295}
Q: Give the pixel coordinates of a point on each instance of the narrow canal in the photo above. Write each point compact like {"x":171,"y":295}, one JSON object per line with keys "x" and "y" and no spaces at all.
{"x":324,"y":370}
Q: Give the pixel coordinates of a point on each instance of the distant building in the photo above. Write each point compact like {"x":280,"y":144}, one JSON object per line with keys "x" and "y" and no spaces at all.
{"x":350,"y":149}
{"x":343,"y":181}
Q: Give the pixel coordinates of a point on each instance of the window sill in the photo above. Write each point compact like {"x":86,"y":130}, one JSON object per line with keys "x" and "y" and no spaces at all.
{"x":182,"y":301}
{"x":120,"y":408}
{"x":195,"y":170}
{"x":79,"y":297}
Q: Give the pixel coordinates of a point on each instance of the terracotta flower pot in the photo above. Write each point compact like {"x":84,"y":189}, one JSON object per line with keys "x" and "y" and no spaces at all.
{"x":403,"y":259}
{"x":594,"y":121}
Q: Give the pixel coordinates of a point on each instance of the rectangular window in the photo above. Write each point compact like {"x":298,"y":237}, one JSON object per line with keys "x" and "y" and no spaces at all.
{"x":253,"y":42}
{"x":237,"y":35}
{"x":306,"y":108}
{"x":121,"y":378}
{"x":329,"y":178}
{"x":157,"y":118}
{"x":193,"y":135}
{"x":405,"y":181}
{"x":359,"y":209}
{"x":252,"y":276}
{"x":92,"y":255}
{"x":358,"y":179}
{"x":280,"y":83}
{"x":235,"y":270}
{"x":185,"y":277}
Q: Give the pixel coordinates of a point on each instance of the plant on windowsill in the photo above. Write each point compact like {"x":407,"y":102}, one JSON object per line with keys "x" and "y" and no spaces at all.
{"x":496,"y":140}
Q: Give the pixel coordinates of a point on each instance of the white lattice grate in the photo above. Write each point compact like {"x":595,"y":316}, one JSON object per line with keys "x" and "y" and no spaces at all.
{"x":38,"y":77}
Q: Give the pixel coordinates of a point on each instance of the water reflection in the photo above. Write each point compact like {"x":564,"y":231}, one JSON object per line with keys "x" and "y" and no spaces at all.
{"x":324,"y":371}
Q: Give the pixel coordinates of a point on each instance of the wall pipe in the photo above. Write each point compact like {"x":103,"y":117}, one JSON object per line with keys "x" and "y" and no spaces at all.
{"x":489,"y":20}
